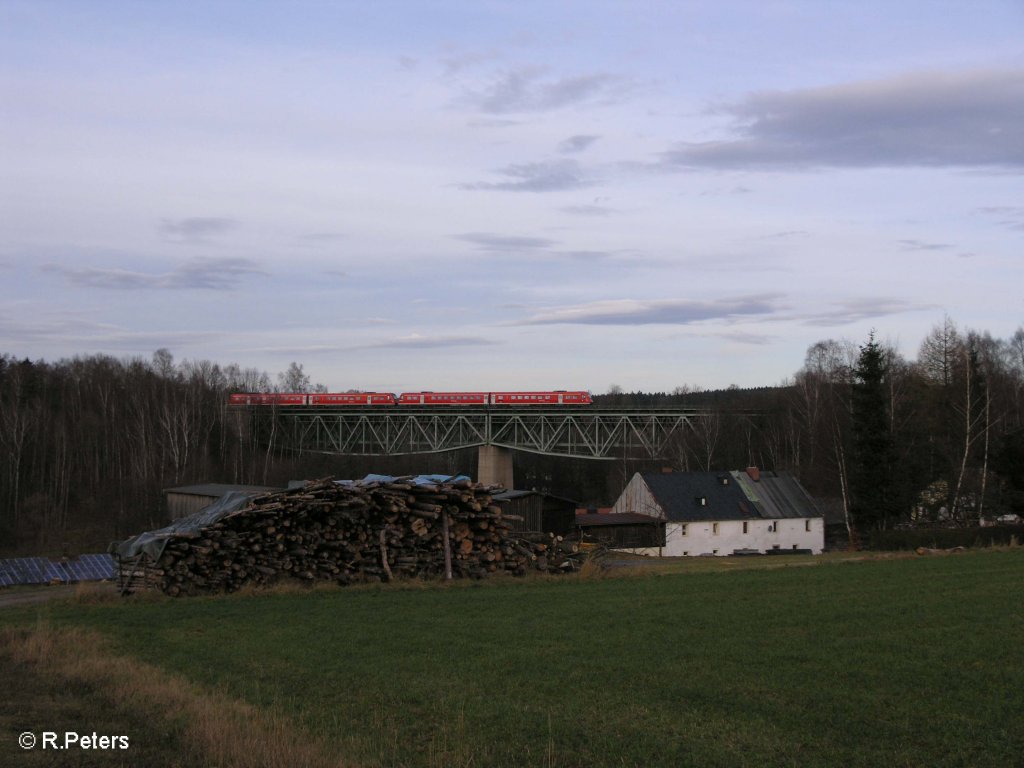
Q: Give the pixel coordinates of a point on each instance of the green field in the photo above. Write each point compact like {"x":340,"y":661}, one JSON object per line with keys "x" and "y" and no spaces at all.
{"x":901,"y":662}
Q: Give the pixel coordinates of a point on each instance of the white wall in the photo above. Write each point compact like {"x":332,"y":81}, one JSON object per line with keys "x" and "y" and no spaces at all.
{"x":702,"y":538}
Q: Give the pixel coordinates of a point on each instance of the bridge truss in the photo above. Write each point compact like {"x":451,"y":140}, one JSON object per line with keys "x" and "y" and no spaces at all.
{"x":593,"y":433}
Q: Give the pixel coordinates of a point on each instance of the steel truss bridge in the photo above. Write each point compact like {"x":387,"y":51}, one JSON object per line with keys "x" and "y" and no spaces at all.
{"x":589,"y":432}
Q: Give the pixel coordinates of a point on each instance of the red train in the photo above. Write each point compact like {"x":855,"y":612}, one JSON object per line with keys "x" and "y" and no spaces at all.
{"x":557,"y":397}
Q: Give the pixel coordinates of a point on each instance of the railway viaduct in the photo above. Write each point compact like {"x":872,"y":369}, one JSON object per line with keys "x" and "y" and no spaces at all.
{"x":591,"y":432}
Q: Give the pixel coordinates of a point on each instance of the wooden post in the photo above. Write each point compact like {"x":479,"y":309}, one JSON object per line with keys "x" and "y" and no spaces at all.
{"x":384,"y":556}
{"x":447,"y":547}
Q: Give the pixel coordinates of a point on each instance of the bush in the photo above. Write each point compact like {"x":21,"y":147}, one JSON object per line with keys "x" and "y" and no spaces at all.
{"x":945,"y":538}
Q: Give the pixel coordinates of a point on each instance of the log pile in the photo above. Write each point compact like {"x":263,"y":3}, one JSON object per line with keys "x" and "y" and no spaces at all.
{"x":350,"y":533}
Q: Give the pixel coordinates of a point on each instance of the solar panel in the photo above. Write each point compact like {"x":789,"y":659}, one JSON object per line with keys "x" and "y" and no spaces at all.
{"x":42,"y":570}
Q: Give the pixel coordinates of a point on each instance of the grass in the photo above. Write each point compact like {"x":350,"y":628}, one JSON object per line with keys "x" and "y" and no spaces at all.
{"x":895,"y":662}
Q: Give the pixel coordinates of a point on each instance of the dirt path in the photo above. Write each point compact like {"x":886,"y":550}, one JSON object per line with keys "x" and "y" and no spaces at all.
{"x":12,"y":596}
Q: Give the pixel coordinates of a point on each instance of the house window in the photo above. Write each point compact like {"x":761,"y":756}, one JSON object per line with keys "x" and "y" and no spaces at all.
{"x":714,"y":551}
{"x":745,"y":527}
{"x":714,"y":528}
{"x":807,"y":525}
{"x":682,"y":529}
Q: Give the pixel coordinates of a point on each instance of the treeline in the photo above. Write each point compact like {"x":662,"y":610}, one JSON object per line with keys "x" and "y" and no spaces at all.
{"x":885,"y":440}
{"x":87,"y":445}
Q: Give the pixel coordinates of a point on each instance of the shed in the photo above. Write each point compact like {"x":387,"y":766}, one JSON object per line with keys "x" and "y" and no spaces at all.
{"x":186,"y":500}
{"x":540,"y":511}
{"x":625,"y":530}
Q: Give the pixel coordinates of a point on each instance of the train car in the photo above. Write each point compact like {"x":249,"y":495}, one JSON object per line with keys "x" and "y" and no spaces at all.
{"x":440,"y":399}
{"x":540,"y":398}
{"x":443,"y":398}
{"x":268,"y":398}
{"x":495,"y":398}
{"x":352,"y":398}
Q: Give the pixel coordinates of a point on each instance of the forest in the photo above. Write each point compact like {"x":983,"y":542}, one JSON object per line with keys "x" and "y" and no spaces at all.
{"x":88,"y":444}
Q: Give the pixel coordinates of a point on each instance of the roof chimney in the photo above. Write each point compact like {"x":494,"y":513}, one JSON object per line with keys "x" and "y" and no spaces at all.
{"x":754,"y":473}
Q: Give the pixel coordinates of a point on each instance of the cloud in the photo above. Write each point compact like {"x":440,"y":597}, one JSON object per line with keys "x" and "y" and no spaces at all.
{"x":753,"y":339}
{"x":786,"y":234}
{"x":417,"y":341}
{"x":657,"y":311}
{"x":75,"y":328}
{"x":212,"y":274}
{"x":965,"y":119}
{"x":921,"y":245}
{"x":488,"y":241}
{"x":768,"y":307}
{"x":457,"y":62}
{"x":856,"y":310}
{"x":587,"y":210}
{"x":1009,"y":215}
{"x":529,"y":89}
{"x":197,"y":229}
{"x":576,"y":143}
{"x":545,"y":176}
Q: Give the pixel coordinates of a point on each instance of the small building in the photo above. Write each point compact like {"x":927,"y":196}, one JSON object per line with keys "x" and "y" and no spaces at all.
{"x":189,"y":499}
{"x":725,"y":513}
{"x":626,"y":530}
{"x":539,"y":511}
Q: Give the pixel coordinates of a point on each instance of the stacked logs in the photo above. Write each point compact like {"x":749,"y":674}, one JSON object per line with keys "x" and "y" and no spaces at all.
{"x":351,"y":533}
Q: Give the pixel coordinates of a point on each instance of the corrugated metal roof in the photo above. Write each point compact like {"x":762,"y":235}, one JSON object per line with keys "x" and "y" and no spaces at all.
{"x":778,"y":494}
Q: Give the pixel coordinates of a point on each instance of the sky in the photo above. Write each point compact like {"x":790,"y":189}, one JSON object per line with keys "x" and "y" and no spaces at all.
{"x":507,"y":195}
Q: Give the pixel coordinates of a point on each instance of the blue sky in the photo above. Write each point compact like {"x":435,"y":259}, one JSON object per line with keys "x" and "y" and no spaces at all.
{"x":405,"y":195}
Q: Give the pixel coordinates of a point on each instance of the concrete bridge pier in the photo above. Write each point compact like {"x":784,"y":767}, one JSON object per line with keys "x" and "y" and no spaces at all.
{"x":495,"y":466}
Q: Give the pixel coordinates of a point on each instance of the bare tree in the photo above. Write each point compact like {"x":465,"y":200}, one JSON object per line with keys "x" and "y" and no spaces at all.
{"x":294,"y":379}
{"x":939,"y":352}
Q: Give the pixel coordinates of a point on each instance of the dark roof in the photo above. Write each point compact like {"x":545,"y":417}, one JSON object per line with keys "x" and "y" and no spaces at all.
{"x":679,"y":494}
{"x":521,"y":494}
{"x":594,"y":520}
{"x":216,"y":490}
{"x":729,"y":496}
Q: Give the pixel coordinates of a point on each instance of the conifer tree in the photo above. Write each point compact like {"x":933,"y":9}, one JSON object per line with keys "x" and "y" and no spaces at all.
{"x":871,"y":460}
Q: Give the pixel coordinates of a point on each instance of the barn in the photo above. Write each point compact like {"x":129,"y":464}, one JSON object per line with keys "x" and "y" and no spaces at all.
{"x":539,"y":511}
{"x":725,"y":513}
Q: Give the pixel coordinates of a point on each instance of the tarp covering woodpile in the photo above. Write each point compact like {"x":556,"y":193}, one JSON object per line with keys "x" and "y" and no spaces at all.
{"x":376,"y":529}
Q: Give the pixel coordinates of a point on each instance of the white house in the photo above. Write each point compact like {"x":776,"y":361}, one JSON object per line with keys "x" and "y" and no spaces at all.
{"x":722,"y":513}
